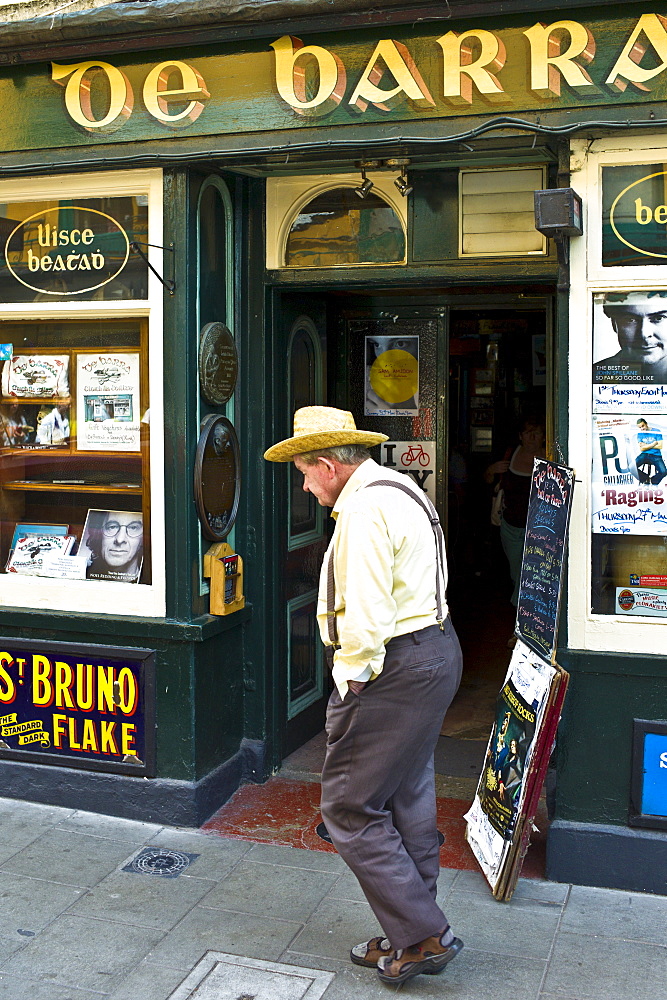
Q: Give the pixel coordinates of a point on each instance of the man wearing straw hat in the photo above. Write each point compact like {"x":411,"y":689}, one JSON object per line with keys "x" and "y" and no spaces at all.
{"x":396,"y":666}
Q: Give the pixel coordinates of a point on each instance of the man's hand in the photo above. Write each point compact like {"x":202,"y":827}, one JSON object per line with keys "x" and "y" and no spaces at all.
{"x":356,"y":687}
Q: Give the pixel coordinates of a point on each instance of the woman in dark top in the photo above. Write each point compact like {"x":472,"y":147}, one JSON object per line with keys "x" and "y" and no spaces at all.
{"x":515,"y":471}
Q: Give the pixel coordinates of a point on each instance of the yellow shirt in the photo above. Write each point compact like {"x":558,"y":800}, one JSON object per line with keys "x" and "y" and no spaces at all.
{"x":384,"y":566}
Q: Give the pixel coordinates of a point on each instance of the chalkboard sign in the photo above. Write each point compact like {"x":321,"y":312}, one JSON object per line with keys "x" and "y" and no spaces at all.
{"x":543,"y":552}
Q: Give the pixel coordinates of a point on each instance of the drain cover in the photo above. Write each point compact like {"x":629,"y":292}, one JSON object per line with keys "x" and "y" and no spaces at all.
{"x":161,"y":861}
{"x":323,"y":834}
{"x":231,"y":977}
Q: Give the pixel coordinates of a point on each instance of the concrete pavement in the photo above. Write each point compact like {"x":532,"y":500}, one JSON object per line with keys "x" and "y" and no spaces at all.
{"x":96,"y":907}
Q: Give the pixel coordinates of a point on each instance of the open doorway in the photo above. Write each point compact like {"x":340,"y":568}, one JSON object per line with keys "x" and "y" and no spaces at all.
{"x":482,"y":364}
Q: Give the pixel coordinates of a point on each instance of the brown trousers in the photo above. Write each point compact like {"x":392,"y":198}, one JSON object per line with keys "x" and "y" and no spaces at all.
{"x":378,"y":789}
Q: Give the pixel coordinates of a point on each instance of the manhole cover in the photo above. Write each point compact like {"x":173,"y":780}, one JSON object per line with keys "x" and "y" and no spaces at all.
{"x":230,"y":977}
{"x":323,"y":834}
{"x":160,"y":861}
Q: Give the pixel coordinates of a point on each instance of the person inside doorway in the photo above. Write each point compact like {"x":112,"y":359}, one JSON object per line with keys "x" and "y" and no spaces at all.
{"x":515,"y":474}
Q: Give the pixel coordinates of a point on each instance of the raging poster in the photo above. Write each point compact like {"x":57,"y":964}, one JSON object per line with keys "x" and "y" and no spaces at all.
{"x":629,"y":474}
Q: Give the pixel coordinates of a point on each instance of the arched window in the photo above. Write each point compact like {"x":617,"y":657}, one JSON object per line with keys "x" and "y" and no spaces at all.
{"x":339,"y":228}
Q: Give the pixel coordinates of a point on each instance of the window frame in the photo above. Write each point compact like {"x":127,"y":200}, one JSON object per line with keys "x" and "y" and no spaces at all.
{"x":80,"y":596}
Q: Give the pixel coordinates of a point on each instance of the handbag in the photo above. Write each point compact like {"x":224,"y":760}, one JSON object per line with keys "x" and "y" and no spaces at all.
{"x":497,"y":504}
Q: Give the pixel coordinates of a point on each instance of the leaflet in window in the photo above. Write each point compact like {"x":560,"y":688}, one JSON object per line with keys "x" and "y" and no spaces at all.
{"x":43,"y":376}
{"x":108,"y":401}
{"x":30,"y":551}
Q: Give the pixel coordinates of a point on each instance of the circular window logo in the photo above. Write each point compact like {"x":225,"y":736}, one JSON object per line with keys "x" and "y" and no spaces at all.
{"x":636,"y":202}
{"x":626,"y":600}
{"x":67,"y":250}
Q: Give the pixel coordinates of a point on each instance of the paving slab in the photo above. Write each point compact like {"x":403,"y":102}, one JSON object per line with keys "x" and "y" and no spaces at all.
{"x":596,"y":968}
{"x":144,"y":900}
{"x":203,"y":930}
{"x":335,"y":926}
{"x":70,"y":858}
{"x":149,"y":981}
{"x":610,"y":913}
{"x":88,"y":954}
{"x":526,"y":888}
{"x":12,"y":988}
{"x":109,"y":827}
{"x":23,"y":822}
{"x":229,"y":977}
{"x":296,"y":857}
{"x":524,"y":928}
{"x":27,"y":905}
{"x":217,"y":855}
{"x":271,"y":890}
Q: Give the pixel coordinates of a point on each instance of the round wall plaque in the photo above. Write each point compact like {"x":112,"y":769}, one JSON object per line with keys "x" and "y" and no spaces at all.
{"x":217,"y":477}
{"x":218,"y":363}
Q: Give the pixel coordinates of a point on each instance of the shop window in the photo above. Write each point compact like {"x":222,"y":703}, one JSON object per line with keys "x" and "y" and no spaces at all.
{"x":80,"y":530}
{"x":496,"y":213}
{"x":338,"y":228}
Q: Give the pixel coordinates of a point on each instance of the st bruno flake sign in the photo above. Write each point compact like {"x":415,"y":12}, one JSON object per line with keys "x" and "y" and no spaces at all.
{"x":89,"y":707}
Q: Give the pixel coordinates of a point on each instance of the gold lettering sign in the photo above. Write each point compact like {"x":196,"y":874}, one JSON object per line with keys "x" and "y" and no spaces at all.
{"x":53,"y":253}
{"x":637,"y":204}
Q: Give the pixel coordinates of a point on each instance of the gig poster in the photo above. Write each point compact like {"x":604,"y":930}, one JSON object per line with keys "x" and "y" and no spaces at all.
{"x":629,"y":475}
{"x":87,"y":707}
{"x":502,"y":787}
{"x":630,"y":352}
{"x":392,"y":376}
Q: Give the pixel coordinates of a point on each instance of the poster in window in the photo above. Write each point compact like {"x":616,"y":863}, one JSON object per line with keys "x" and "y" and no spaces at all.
{"x":32,"y":550}
{"x":630,"y":352}
{"x":392,"y":376}
{"x":108,"y":400}
{"x":629,"y":475}
{"x":43,"y":376}
{"x":113,"y":544}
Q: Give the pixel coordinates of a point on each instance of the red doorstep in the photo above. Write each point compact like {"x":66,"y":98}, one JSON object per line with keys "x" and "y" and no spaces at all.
{"x":287,"y":812}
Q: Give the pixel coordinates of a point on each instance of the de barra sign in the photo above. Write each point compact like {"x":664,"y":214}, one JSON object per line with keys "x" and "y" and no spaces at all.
{"x":343,"y":78}
{"x":87,"y":707}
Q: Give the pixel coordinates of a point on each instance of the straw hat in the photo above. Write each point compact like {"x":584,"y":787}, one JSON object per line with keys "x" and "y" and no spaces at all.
{"x":317,"y":427}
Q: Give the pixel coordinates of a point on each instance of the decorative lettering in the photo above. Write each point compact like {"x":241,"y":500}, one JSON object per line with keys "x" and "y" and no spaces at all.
{"x":296,"y":64}
{"x":396,"y":60}
{"x":157,"y":95}
{"x":78,"y":94}
{"x":548,"y":63}
{"x":627,"y":68}
{"x":461,"y":69}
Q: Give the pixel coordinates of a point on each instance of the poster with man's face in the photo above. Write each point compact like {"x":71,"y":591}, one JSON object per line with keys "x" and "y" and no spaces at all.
{"x":392,"y":376}
{"x":629,"y":489}
{"x":113,"y":542}
{"x":630,"y":352}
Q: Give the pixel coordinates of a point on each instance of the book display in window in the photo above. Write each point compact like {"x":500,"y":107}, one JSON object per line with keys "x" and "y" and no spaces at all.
{"x":74,"y":447}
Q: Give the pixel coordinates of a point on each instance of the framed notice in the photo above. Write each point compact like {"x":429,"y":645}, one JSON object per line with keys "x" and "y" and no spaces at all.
{"x":89,"y":707}
{"x":547,"y":525}
{"x":108,"y":401}
{"x":392,"y":376}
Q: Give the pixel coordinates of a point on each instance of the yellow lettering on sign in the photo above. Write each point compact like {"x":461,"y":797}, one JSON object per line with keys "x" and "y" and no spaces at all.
{"x":42,"y":689}
{"x":548,"y":61}
{"x":397,"y":60}
{"x":462,"y":69}
{"x":127,"y":737}
{"x":157,"y":94}
{"x":627,"y":67}
{"x":78,"y":94}
{"x":108,"y":738}
{"x":293,"y":62}
{"x":7,"y":686}
{"x":64,"y":675}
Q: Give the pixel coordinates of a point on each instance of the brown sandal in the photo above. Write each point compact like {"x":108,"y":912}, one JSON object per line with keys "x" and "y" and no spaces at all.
{"x":369,"y":953}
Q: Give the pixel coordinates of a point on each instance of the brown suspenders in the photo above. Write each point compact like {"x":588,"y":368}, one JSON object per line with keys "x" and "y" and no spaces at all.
{"x":432,"y":515}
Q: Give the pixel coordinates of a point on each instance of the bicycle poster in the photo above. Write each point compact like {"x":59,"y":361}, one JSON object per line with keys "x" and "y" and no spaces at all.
{"x":416,"y":458}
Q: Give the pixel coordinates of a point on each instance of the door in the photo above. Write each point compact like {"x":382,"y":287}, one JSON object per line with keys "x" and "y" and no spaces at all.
{"x":302,"y":323}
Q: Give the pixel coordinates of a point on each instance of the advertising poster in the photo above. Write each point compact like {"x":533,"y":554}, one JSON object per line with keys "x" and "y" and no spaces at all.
{"x":649,"y":602}
{"x":87,"y":707}
{"x":36,"y":375}
{"x":502,"y":788}
{"x":630,"y":352}
{"x":113,"y":545}
{"x":108,"y":401}
{"x":415,"y":458}
{"x":629,"y":475}
{"x":32,"y":551}
{"x":392,"y":376}
{"x":547,"y":525}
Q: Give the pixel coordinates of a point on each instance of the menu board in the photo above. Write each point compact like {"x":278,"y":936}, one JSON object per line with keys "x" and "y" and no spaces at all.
{"x":544,"y":548}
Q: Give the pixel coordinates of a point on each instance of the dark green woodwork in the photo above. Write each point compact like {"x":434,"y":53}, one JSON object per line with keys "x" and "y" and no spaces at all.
{"x":607,"y":691}
{"x":240,"y":79}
